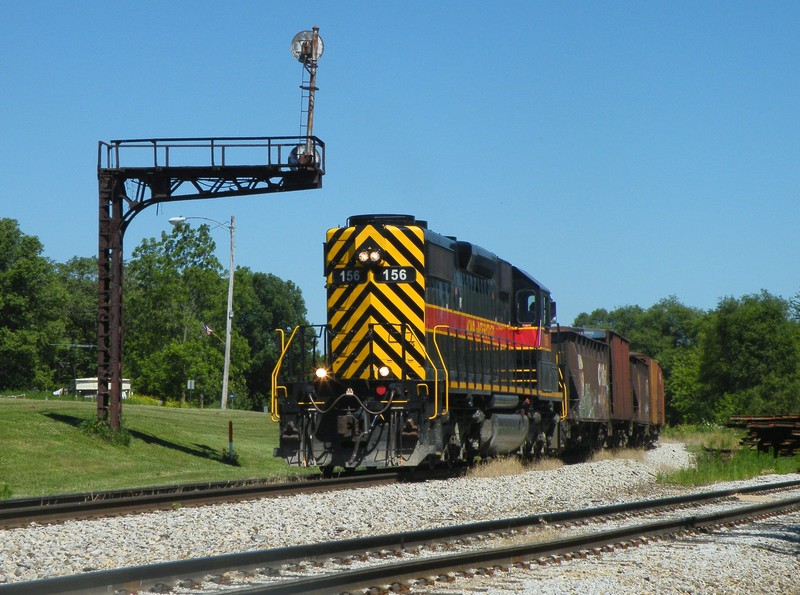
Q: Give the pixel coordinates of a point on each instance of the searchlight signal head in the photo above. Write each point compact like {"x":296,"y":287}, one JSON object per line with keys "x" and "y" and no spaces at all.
{"x":307,"y":46}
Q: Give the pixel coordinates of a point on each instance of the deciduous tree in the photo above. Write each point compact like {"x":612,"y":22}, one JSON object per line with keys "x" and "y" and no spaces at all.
{"x":31,"y":311}
{"x":77,"y":351}
{"x":263,"y":304}
{"x":749,"y":358}
{"x":176,"y":304}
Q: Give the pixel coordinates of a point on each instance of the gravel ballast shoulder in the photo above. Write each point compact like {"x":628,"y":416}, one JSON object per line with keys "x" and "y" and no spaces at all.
{"x":44,"y":551}
{"x":758,"y":558}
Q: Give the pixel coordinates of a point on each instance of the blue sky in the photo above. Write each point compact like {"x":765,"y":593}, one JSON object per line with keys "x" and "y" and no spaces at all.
{"x":620,"y":152}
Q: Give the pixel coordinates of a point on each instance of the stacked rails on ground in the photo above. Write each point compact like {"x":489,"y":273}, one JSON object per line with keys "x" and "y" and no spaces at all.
{"x":777,"y":433}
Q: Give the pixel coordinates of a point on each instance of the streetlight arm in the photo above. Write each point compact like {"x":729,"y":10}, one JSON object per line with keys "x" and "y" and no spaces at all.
{"x":181,"y":219}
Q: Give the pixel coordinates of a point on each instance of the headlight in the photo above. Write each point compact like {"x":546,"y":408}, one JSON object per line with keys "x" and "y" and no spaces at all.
{"x":321,"y":373}
{"x":375,"y":256}
{"x":363,"y":256}
{"x":383,"y":371}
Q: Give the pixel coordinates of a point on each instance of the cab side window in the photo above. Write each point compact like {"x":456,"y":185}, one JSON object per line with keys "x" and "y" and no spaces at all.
{"x":527,"y":307}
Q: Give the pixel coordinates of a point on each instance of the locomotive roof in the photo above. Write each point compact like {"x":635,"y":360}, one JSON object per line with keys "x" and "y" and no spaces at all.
{"x":449,"y":242}
{"x":531,"y":278}
{"x":385,"y":219}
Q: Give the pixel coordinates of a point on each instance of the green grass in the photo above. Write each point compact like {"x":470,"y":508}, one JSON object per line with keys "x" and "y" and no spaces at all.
{"x":709,"y":436}
{"x":44,"y":450}
{"x":720,"y":457}
{"x":743,"y":464}
{"x":52,"y":447}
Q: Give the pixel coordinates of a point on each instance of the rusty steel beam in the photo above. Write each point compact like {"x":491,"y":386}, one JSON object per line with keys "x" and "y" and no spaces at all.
{"x":104,"y":297}
{"x":235,"y":167}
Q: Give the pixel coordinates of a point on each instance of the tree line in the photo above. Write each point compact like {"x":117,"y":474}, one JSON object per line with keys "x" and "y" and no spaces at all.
{"x":175,"y":299}
{"x":743,"y":357}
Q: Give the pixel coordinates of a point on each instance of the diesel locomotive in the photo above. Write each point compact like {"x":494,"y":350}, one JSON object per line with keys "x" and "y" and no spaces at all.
{"x":438,"y":351}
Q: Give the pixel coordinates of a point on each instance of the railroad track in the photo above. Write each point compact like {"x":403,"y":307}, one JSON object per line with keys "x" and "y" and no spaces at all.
{"x":50,"y":509}
{"x":331,"y":563}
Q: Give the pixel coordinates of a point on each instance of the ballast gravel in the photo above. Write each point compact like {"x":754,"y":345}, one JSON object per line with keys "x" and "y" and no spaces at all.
{"x":759,"y":558}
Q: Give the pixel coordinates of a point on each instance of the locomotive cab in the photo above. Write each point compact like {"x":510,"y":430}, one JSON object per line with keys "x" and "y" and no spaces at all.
{"x":534,"y":306}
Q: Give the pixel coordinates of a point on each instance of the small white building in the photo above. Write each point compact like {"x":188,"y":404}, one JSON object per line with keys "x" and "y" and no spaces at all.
{"x":87,"y":387}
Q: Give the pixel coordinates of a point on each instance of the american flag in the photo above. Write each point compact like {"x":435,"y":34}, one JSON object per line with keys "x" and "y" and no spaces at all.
{"x":207,"y":329}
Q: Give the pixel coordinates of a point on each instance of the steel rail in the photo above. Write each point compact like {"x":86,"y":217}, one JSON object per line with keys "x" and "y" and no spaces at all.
{"x":400,"y":572}
{"x":141,"y":578}
{"x":22,"y":511}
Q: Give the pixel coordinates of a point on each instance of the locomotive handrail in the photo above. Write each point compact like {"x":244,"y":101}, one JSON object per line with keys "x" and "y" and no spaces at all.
{"x":276,"y":371}
{"x":436,"y":376}
{"x":564,"y":400}
{"x":435,"y":383}
{"x":401,"y":329}
{"x":518,"y":376}
{"x":283,"y":337}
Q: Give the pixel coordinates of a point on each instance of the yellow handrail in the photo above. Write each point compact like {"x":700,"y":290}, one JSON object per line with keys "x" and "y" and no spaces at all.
{"x":436,"y":376}
{"x":565,"y":401}
{"x":274,"y":397}
{"x":435,"y":385}
{"x":283,"y":336}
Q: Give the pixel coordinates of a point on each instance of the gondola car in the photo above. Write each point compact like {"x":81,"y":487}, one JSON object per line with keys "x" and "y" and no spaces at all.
{"x":437,"y":351}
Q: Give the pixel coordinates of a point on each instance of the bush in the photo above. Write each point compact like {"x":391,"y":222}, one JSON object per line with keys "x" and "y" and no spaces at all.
{"x":100,"y":429}
{"x":143,"y":400}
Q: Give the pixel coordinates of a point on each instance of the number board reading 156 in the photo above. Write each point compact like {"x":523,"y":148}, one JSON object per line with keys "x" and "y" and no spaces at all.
{"x":395,"y":275}
{"x":380,"y":275}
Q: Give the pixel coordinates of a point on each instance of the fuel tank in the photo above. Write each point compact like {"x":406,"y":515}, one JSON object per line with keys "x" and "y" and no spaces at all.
{"x":503,"y":433}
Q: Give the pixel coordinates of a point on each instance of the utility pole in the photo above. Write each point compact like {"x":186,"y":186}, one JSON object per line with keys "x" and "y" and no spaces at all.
{"x":229,"y":320}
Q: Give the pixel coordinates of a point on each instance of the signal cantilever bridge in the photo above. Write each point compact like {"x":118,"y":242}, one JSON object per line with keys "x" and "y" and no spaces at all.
{"x":134,"y":174}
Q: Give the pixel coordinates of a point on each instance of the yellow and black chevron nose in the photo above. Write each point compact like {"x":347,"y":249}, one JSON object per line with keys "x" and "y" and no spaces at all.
{"x":376,"y":300}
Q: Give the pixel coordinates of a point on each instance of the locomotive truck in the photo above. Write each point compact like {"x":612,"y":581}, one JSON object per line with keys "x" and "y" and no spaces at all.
{"x":436,"y":351}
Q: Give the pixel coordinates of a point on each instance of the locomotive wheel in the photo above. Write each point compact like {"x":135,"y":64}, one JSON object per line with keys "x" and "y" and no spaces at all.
{"x":455,"y":451}
{"x":453,"y":455}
